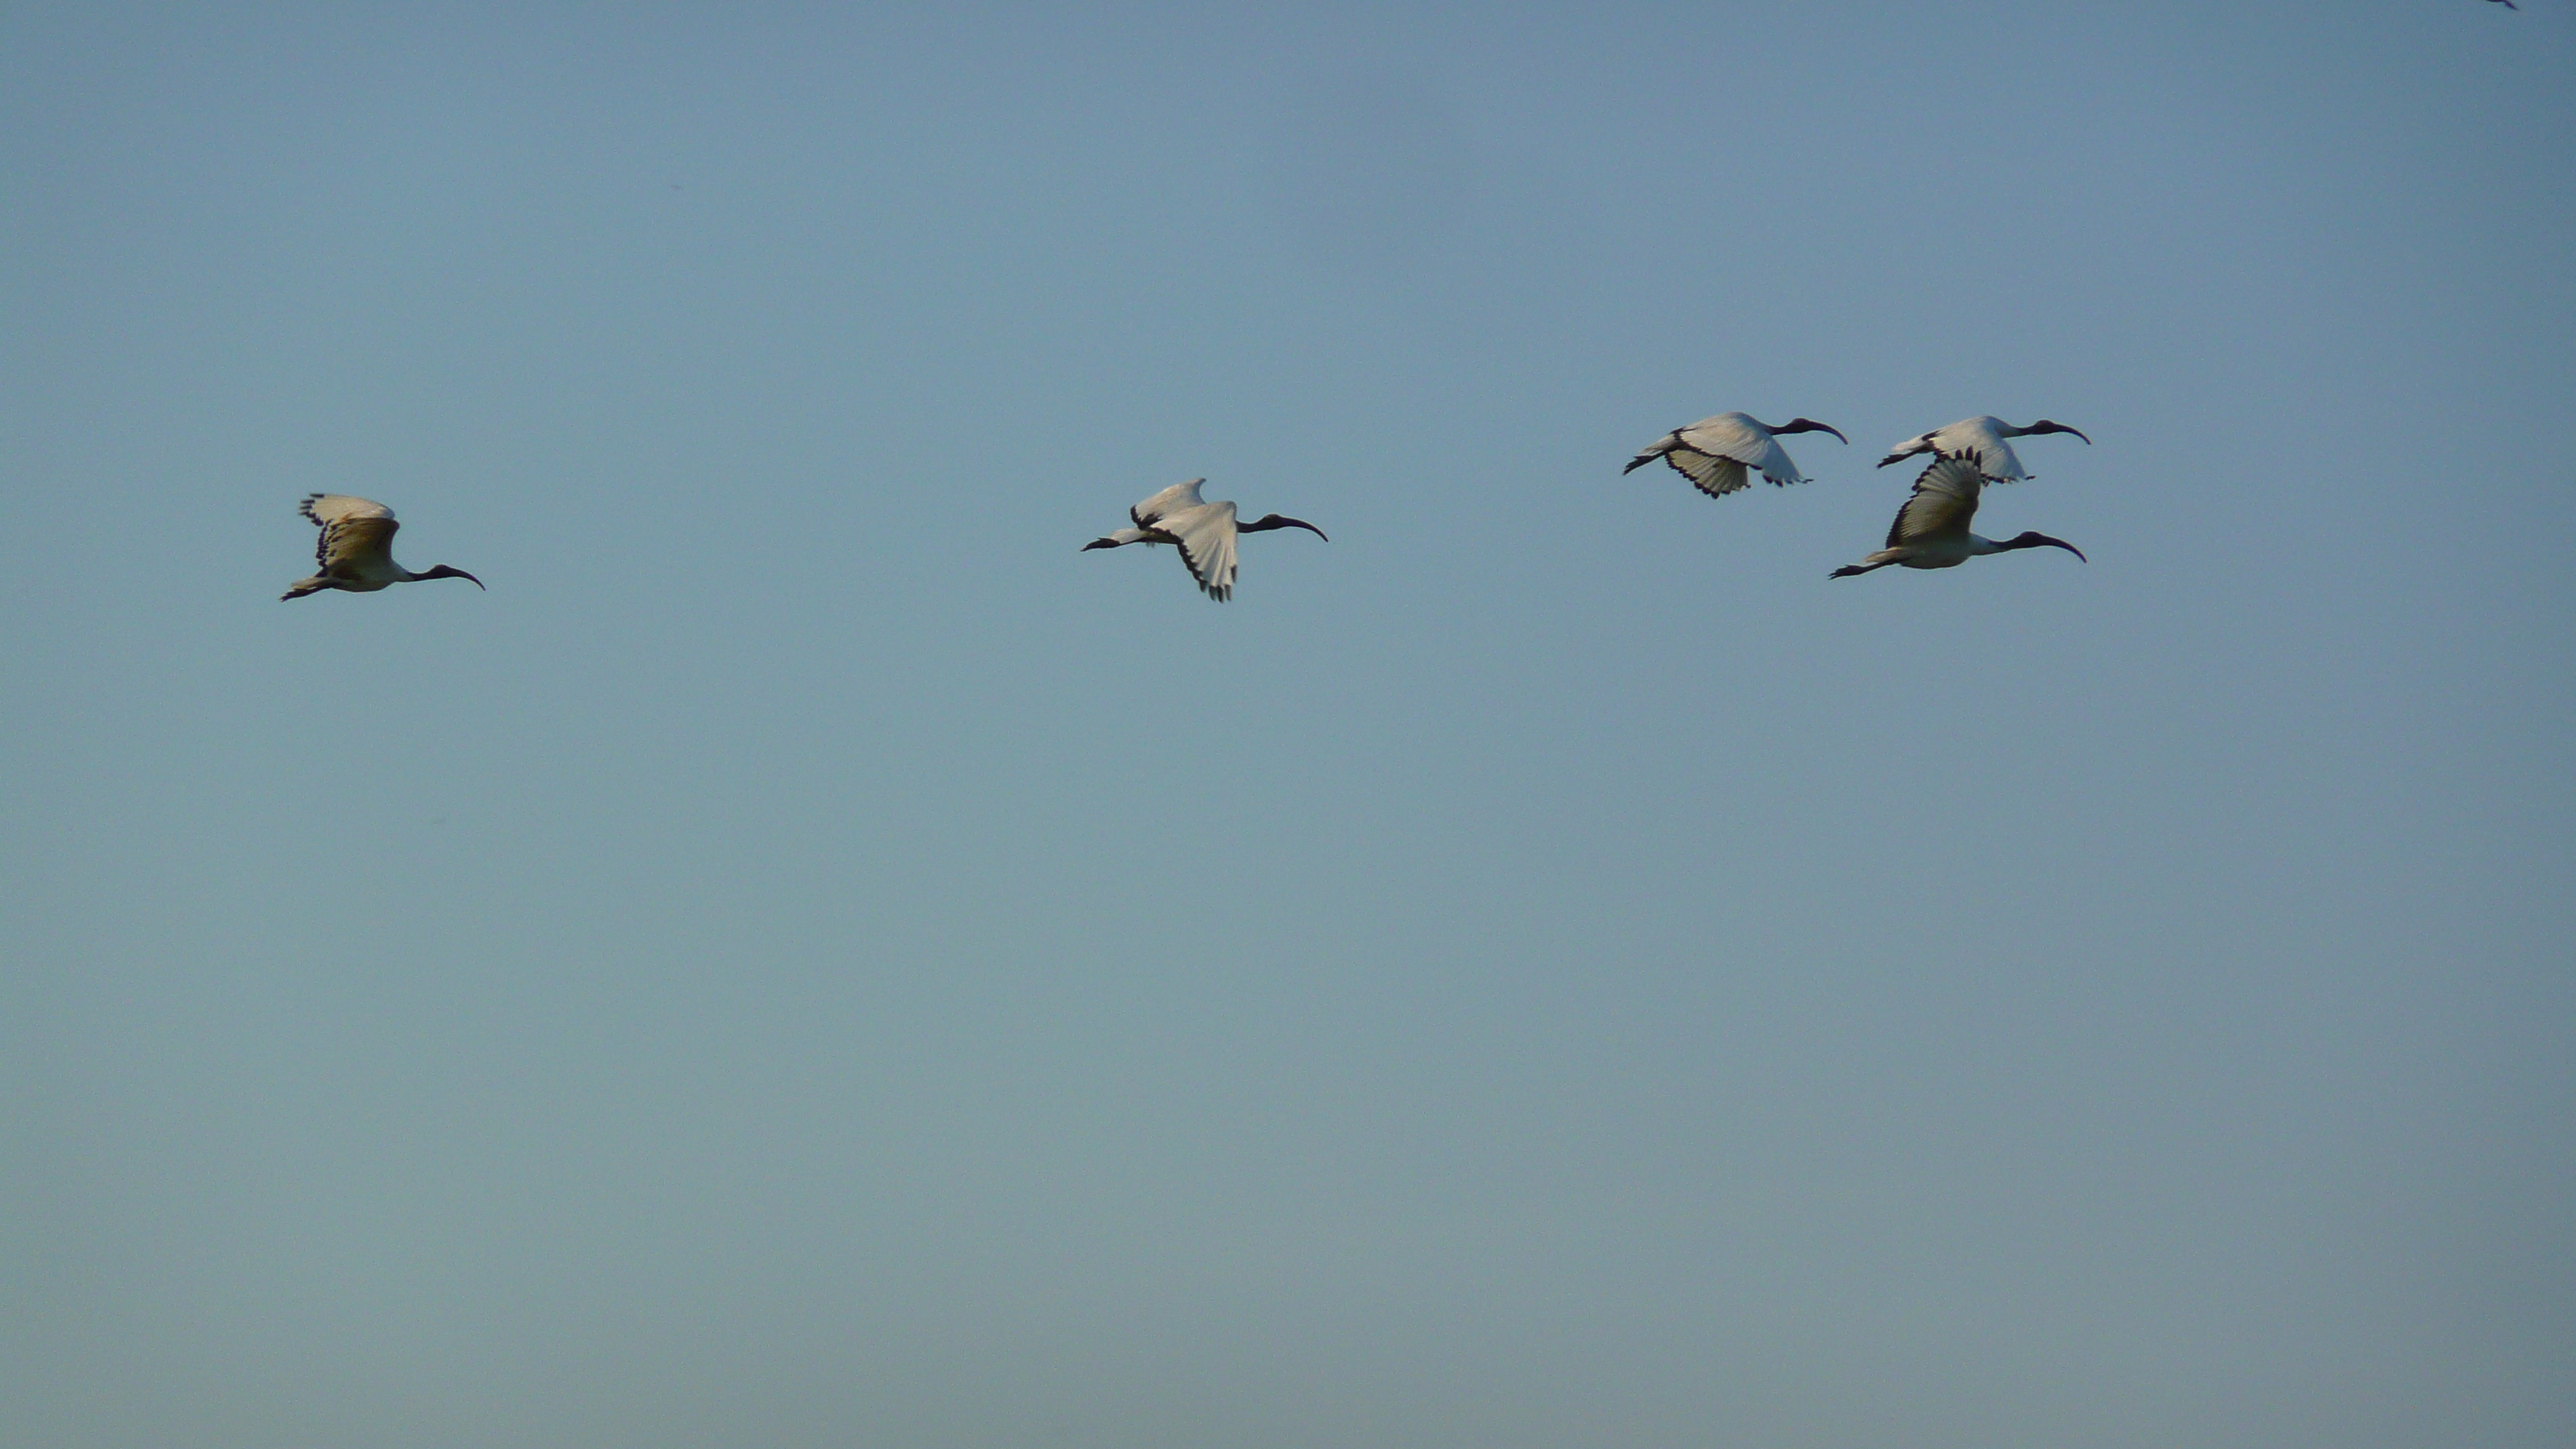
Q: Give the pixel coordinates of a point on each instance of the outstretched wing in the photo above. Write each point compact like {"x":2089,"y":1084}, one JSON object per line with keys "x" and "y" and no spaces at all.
{"x":1170,"y":501}
{"x":1710,"y":474}
{"x":357,"y":534}
{"x":1945,"y":499}
{"x":1206,"y":535}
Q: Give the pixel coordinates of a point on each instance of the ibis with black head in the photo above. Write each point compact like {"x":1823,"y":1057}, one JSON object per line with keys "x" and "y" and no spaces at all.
{"x":1931,"y":530}
{"x":1720,"y":454}
{"x":1204,"y":532}
{"x":355,"y":549}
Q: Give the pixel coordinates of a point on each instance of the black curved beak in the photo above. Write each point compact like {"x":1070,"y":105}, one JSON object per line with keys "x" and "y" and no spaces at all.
{"x":450,"y":571}
{"x":2045,"y":426}
{"x":1810,"y":425}
{"x":1277,"y":520}
{"x":1097,"y":543}
{"x":2041,"y":540}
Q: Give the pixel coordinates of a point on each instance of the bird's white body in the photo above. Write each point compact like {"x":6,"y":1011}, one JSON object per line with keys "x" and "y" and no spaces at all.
{"x":1720,"y":454}
{"x":1931,"y":530}
{"x":1204,"y":532}
{"x":355,"y":550}
{"x":1984,"y":441}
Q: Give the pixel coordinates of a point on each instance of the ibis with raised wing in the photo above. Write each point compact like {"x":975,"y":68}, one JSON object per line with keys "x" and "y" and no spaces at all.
{"x":355,"y":550}
{"x":1204,"y":533}
{"x":1931,"y":530}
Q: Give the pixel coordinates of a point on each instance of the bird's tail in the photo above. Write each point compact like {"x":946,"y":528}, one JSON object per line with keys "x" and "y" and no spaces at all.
{"x":1907,"y":449}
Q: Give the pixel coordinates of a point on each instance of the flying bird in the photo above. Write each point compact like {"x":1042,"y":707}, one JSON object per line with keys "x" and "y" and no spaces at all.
{"x":1980,"y":441}
{"x":1714,"y":453}
{"x":356,"y":549}
{"x":1204,"y":533}
{"x":1931,"y":530}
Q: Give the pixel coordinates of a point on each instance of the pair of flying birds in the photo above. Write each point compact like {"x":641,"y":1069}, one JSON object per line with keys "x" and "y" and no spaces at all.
{"x":1719,"y":455}
{"x":355,"y":550}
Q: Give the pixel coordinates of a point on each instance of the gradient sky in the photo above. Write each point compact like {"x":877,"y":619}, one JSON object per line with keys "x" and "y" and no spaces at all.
{"x":811,"y":957}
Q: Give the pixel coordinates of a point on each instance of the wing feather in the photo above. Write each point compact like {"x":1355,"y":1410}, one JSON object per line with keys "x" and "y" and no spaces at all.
{"x":1943,"y":503}
{"x":1170,"y":501}
{"x":1711,"y":475}
{"x":357,"y":534}
{"x":1206,"y":536}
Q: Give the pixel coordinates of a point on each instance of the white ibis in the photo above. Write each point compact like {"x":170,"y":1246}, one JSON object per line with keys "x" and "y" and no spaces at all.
{"x":1204,"y":532}
{"x":1980,"y":441}
{"x":356,"y":549}
{"x":1714,"y":453}
{"x":1931,"y":530}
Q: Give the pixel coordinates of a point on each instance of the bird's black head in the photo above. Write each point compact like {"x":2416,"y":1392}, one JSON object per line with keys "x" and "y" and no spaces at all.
{"x":1269,"y":521}
{"x":2045,"y":426}
{"x":2041,"y":540}
{"x":1810,"y":425}
{"x":443,"y":571}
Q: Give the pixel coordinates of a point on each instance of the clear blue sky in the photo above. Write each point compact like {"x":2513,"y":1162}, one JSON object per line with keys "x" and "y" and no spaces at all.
{"x":811,"y":957}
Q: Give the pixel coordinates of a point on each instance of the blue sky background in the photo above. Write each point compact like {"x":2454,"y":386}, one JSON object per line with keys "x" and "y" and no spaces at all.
{"x":811,"y":957}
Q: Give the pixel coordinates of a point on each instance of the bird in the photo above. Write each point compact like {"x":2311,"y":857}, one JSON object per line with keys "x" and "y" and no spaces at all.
{"x":1204,"y":532}
{"x":1714,"y":453}
{"x":1931,"y":530}
{"x":1980,"y":441}
{"x":356,"y":549}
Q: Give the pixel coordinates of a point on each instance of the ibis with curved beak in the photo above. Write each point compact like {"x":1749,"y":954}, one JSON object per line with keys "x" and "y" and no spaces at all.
{"x":1203,"y":532}
{"x":1719,"y":454}
{"x":1981,"y":441}
{"x":1931,"y":530}
{"x":355,"y":550}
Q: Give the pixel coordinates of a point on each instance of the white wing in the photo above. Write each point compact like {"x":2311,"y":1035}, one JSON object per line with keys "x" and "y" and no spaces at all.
{"x":1711,"y":475}
{"x":1171,"y":500}
{"x":1981,"y":440}
{"x":357,"y":538}
{"x":1206,"y":536}
{"x":1944,"y":501}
